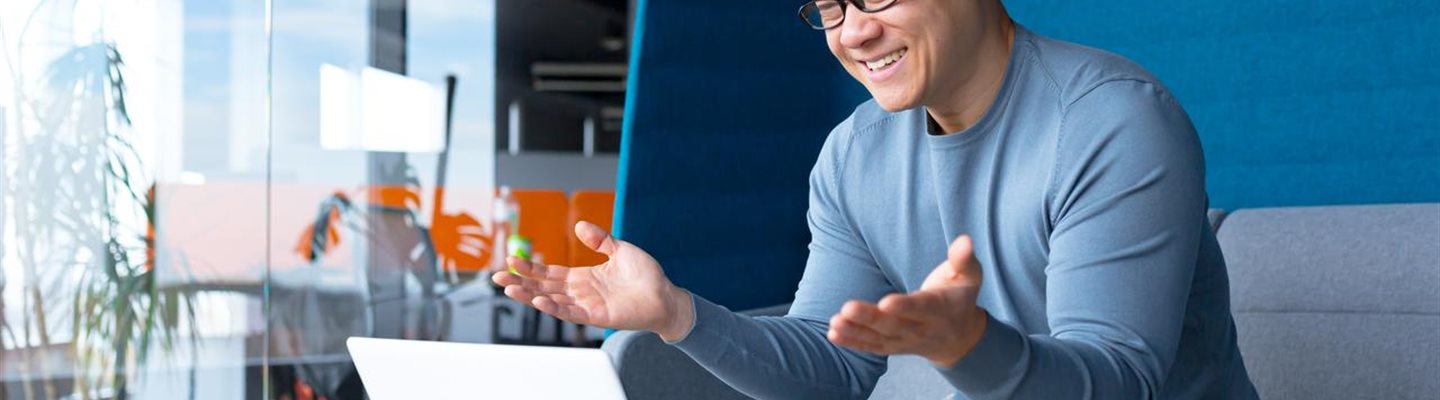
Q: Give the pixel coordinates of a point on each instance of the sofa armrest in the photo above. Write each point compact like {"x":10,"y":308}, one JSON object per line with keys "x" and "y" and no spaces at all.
{"x":1216,"y":217}
{"x":651,"y":369}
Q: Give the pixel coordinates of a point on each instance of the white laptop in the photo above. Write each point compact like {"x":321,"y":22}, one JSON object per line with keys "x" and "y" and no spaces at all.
{"x":408,"y":369}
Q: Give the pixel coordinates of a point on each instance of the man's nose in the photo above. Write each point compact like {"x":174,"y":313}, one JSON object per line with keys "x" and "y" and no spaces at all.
{"x":858,"y":28}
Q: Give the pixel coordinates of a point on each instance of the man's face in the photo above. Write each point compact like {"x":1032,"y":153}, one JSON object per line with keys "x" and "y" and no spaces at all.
{"x":911,"y":52}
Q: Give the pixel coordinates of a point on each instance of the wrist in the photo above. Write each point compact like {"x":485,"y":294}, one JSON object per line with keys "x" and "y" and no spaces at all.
{"x":970,"y":336}
{"x":680,"y":317}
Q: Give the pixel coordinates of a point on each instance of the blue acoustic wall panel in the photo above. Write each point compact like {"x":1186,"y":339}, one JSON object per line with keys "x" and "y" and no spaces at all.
{"x":728,"y":104}
{"x":1296,"y":102}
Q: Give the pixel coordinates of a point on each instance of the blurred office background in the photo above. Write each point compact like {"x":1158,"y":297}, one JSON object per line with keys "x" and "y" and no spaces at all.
{"x":203,"y":198}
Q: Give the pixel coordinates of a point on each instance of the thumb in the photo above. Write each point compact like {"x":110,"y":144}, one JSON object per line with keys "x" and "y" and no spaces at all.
{"x":595,"y":238}
{"x":961,"y":259}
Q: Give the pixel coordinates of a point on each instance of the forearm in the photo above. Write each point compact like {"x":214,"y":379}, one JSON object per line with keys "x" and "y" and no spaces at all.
{"x":1006,"y":364}
{"x":775,"y":357}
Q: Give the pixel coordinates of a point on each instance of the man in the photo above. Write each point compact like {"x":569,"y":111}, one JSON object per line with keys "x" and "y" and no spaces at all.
{"x":1068,"y":183}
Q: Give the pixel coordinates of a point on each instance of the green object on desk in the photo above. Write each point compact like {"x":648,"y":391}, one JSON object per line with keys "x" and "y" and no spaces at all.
{"x":520,"y":247}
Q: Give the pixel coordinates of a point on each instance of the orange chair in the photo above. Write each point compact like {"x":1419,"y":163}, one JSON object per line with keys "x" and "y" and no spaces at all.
{"x":597,"y":207}
{"x":545,"y":220}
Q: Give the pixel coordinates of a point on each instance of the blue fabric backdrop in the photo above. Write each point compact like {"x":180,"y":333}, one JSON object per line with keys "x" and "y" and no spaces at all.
{"x":1296,"y":102}
{"x":728,"y":104}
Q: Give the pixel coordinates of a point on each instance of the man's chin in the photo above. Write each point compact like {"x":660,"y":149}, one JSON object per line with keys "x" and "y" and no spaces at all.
{"x":893,"y":103}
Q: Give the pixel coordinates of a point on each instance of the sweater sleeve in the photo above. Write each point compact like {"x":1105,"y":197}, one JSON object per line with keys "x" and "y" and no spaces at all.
{"x":790,"y":357}
{"x":1127,"y":207}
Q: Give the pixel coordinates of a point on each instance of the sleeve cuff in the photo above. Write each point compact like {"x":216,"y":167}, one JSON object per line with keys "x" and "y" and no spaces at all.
{"x":694,"y":310}
{"x":994,"y":364}
{"x":709,"y":318}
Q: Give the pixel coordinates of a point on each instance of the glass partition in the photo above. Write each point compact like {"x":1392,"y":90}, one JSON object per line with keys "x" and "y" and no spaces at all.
{"x":377,"y":201}
{"x":133,"y":184}
{"x":203,"y":199}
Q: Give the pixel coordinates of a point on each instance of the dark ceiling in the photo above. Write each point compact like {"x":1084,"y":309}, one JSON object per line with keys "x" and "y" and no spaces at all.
{"x":611,"y":4}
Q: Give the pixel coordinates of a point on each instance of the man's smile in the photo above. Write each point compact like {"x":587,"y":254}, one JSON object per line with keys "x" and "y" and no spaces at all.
{"x":881,"y":67}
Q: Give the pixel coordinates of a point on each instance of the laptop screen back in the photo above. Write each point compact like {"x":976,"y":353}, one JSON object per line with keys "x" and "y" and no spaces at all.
{"x":407,"y":369}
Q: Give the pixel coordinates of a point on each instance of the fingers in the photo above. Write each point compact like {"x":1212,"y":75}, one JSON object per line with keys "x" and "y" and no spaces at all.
{"x":538,"y":271}
{"x":920,"y":307}
{"x":961,"y":258}
{"x":888,"y":323}
{"x":505,"y":279}
{"x":962,"y":250}
{"x":526,"y":268}
{"x":537,"y":279}
{"x":562,"y":308}
{"x":559,"y":305}
{"x":561,"y":300}
{"x":520,"y":294}
{"x":868,"y":327}
{"x":547,"y":288}
{"x":595,"y":238}
{"x":849,"y":334}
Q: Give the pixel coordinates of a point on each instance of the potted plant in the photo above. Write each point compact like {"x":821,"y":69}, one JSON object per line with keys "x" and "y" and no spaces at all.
{"x":83,"y":208}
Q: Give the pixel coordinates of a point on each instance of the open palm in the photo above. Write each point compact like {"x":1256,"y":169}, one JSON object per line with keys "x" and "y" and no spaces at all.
{"x":628,"y":291}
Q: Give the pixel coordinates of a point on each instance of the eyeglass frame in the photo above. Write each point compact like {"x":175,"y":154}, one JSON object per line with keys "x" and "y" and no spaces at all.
{"x":859,"y":5}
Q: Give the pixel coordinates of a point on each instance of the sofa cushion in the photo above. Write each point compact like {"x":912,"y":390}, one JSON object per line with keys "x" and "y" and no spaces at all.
{"x":1337,"y":302}
{"x":650,"y":369}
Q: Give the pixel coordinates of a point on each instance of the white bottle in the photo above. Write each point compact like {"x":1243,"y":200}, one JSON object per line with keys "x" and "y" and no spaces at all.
{"x":506,"y":222}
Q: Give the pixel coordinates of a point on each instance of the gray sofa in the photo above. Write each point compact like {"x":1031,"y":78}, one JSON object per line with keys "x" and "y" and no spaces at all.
{"x":1339,"y":302}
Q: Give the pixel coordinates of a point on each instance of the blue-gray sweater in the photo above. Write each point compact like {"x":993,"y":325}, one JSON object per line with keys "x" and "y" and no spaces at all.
{"x":1083,"y":187}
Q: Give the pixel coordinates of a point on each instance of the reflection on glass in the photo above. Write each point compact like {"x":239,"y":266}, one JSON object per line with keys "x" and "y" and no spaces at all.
{"x":110,"y":241}
{"x":317,"y":295}
{"x":178,"y":221}
{"x":377,"y":200}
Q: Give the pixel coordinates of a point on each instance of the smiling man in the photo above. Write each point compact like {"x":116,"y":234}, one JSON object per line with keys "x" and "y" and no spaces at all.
{"x":1059,"y":189}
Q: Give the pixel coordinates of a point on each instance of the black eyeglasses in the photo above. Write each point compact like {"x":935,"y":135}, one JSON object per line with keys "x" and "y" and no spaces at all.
{"x":826,"y":14}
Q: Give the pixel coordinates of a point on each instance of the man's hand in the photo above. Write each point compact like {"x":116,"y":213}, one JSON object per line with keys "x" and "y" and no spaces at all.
{"x":628,"y":291}
{"x":939,"y":322}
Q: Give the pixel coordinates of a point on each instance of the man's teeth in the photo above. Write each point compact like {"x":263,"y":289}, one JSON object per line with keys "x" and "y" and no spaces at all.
{"x":885,"y":61}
